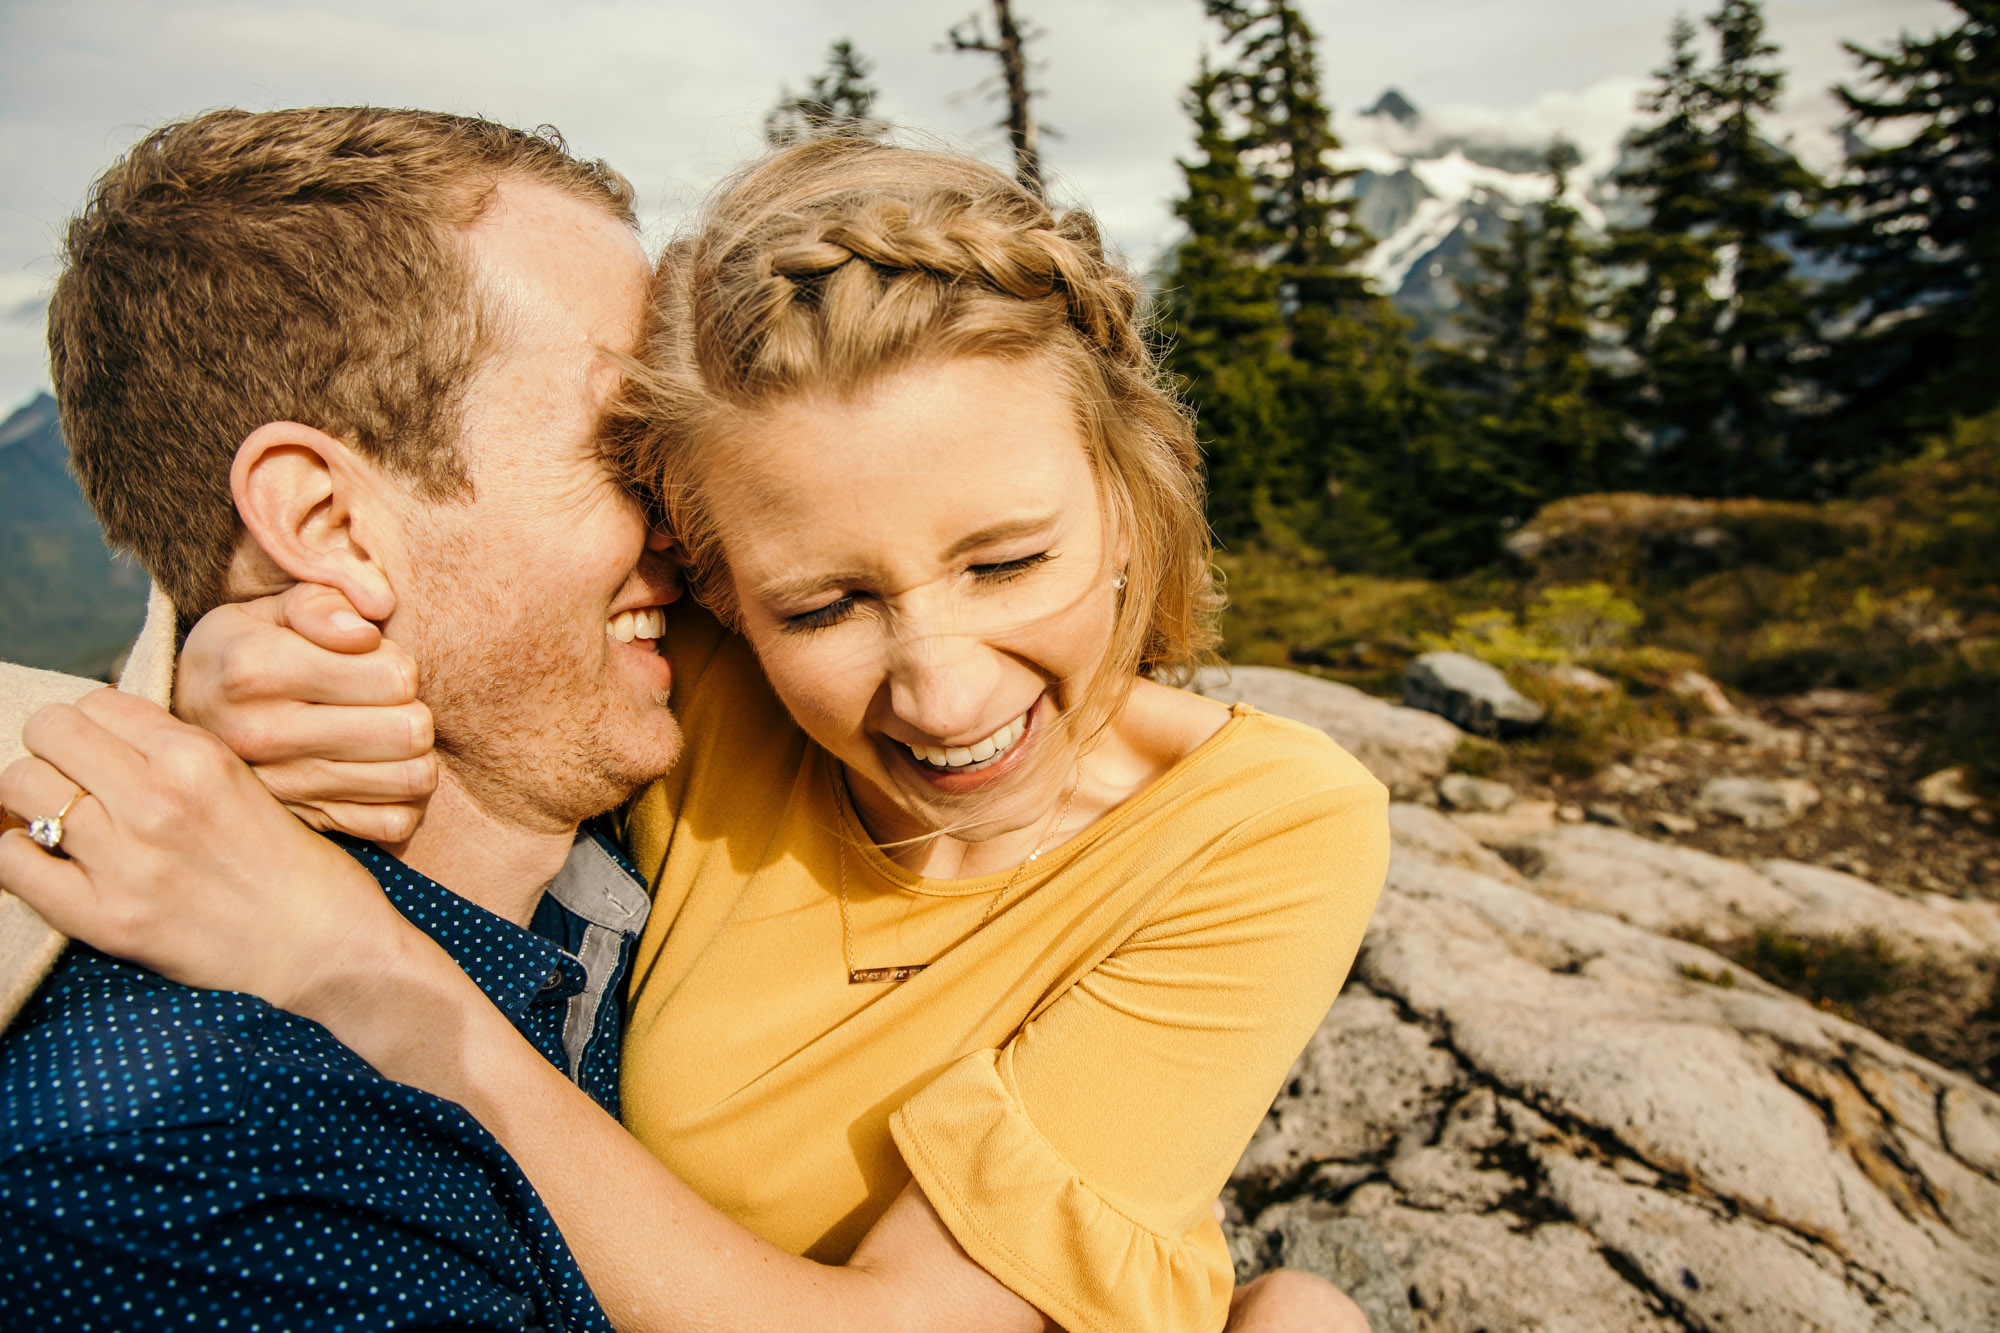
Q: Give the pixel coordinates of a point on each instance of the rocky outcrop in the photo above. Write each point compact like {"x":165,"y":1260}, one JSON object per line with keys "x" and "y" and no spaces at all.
{"x":1473,"y":694}
{"x":1545,"y":1102}
{"x":1540,"y":1116}
{"x":1404,"y":747}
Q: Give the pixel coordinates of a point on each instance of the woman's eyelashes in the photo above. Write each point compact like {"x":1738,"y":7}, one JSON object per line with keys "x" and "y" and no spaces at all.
{"x":820,"y":617}
{"x":991,"y":574}
{"x":1006,"y":571}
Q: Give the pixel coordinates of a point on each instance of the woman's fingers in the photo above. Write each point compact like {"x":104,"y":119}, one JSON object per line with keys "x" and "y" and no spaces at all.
{"x":57,"y":889}
{"x":280,"y":734}
{"x":249,"y":653}
{"x":324,"y":617}
{"x":389,"y":822}
{"x":324,"y":782}
{"x":67,"y":738}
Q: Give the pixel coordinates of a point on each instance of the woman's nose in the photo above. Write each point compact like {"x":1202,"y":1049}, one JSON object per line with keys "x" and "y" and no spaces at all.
{"x":941,"y":685}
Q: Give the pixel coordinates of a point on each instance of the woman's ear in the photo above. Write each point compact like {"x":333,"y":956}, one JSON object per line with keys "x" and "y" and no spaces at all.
{"x":310,"y":502}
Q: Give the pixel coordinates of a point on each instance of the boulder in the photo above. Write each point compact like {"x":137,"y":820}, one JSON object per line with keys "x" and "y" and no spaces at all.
{"x":1702,"y":692}
{"x":1544,"y":1117}
{"x":1462,"y":791}
{"x":1470,"y":693}
{"x":1405,"y":748}
{"x":1757,"y":802}
{"x":1581,"y":679}
{"x":1949,"y":789}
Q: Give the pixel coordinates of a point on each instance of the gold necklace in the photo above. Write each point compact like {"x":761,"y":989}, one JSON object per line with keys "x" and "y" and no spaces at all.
{"x":862,"y":976}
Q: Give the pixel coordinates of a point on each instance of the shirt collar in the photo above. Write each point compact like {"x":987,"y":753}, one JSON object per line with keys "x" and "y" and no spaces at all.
{"x":512,"y":965}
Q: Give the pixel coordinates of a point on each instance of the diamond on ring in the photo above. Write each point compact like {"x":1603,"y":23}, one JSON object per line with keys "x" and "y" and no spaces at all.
{"x":45,"y":831}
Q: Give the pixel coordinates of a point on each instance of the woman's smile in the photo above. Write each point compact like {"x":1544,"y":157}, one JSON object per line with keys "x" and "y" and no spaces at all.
{"x":961,"y":769}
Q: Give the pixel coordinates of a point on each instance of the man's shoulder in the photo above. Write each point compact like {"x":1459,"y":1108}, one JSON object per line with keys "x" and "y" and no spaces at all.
{"x":24,"y":691}
{"x":109,"y":1048}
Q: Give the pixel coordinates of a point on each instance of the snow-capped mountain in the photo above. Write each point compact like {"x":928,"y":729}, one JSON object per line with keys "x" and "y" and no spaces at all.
{"x":1429,"y":194}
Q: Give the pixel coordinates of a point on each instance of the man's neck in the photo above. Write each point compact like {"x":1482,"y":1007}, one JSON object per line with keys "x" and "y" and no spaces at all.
{"x":493,"y":863}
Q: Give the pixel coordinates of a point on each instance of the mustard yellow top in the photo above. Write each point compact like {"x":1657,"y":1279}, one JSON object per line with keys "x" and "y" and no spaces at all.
{"x":1071,"y":1083}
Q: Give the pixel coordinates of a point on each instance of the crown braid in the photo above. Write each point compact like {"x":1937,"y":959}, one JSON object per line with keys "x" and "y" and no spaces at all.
{"x":852,"y":281}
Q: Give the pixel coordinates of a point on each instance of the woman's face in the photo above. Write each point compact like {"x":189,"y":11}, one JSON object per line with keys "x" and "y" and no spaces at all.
{"x":923,"y":573}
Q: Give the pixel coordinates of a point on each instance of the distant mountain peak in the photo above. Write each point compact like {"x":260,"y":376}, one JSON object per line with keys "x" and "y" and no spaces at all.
{"x":1396,"y":107}
{"x":30,"y":420}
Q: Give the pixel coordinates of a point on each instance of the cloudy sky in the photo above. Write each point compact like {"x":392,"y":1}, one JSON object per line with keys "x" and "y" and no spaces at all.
{"x":673,"y":91}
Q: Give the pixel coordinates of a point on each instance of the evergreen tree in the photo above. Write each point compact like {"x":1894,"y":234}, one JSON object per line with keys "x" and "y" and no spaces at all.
{"x":1229,"y":344}
{"x":839,"y":101}
{"x":1764,"y":331}
{"x":1526,"y":398}
{"x":1712,"y":318}
{"x":1665,"y":310}
{"x":1921,"y":239}
{"x":1308,"y":425}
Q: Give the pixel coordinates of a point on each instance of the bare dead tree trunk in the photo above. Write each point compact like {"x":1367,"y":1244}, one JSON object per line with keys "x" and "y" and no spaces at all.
{"x":1008,"y":48}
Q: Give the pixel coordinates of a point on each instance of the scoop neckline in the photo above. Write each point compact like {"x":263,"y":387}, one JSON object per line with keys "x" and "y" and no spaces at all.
{"x":855,"y":837}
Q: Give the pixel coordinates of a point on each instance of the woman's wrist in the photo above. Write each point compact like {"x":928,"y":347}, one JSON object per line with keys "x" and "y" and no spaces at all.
{"x":394,"y":997}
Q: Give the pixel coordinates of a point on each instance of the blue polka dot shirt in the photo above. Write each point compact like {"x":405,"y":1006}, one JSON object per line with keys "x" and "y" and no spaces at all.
{"x":186,"y":1159}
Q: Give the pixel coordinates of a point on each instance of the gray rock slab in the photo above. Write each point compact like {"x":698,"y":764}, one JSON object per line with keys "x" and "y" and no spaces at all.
{"x":1549,"y":1120}
{"x":1406,"y":748}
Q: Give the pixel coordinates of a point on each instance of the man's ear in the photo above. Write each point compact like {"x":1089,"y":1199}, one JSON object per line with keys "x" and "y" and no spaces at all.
{"x":314,"y":507}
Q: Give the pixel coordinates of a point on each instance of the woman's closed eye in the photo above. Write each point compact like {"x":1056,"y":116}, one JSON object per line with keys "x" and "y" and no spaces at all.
{"x":821,"y":617}
{"x":1006,"y":571}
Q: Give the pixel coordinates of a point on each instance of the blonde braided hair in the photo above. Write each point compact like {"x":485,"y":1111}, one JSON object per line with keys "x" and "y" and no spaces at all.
{"x":835,"y":263}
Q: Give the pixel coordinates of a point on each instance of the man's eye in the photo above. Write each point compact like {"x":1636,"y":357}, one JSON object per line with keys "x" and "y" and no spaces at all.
{"x":1006,"y":570}
{"x":820,"y":617}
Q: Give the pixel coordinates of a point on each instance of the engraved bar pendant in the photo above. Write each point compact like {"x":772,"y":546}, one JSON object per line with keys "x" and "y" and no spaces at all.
{"x":861,"y":976}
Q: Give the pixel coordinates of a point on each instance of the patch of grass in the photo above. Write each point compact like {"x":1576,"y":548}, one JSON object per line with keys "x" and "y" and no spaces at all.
{"x":1586,"y":731}
{"x":1721,"y":976}
{"x":1479,"y":757}
{"x":1831,"y":970}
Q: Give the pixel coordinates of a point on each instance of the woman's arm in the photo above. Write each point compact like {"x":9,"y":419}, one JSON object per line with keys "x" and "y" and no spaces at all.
{"x":181,"y":861}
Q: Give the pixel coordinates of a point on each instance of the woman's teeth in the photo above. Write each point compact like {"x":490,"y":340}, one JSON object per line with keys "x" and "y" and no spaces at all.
{"x":647,"y":623}
{"x":980,"y":752}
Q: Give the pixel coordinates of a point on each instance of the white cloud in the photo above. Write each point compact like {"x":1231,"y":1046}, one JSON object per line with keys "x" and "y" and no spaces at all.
{"x":673,"y":91}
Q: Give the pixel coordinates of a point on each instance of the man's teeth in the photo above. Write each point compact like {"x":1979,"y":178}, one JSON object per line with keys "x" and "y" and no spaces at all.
{"x":647,"y":623}
{"x":964,"y":756}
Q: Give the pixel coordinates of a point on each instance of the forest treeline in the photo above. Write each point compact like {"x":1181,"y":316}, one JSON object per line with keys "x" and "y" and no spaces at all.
{"x":1757,"y":331}
{"x":1688,"y":353}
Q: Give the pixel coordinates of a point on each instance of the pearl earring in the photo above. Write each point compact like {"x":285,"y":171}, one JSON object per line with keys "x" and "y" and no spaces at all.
{"x":1118,"y":580}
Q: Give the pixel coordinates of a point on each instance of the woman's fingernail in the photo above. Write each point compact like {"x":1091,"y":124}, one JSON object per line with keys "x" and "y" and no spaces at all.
{"x":347,"y":620}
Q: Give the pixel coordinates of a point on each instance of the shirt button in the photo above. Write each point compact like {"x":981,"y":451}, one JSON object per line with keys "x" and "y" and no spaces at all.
{"x":553,"y":980}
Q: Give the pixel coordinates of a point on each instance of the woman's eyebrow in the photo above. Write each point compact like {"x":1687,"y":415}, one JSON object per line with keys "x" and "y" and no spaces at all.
{"x":1004,"y":530}
{"x":801,"y":587}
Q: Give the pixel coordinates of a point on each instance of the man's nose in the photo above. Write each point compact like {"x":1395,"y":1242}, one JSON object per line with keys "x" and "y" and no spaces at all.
{"x":941,"y":684}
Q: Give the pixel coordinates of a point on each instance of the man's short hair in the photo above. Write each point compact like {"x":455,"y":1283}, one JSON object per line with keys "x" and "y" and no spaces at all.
{"x":302,"y":265}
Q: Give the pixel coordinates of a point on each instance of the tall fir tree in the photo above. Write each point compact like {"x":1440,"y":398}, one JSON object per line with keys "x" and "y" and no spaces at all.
{"x":839,"y":100}
{"x":1764,"y":328}
{"x":1920,"y":239}
{"x":1714,"y":324}
{"x":1229,"y":342}
{"x":1303,"y":436}
{"x":1526,"y":400}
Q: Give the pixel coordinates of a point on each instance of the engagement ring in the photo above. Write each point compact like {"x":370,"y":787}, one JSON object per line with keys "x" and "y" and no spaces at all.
{"x":47,"y":832}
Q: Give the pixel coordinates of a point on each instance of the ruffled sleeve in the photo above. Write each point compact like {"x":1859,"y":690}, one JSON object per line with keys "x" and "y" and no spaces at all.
{"x":1026,"y":1216}
{"x":1078,"y":1162}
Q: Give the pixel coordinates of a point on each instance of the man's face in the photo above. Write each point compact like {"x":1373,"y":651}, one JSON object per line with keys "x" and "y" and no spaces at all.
{"x":517,"y":605}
